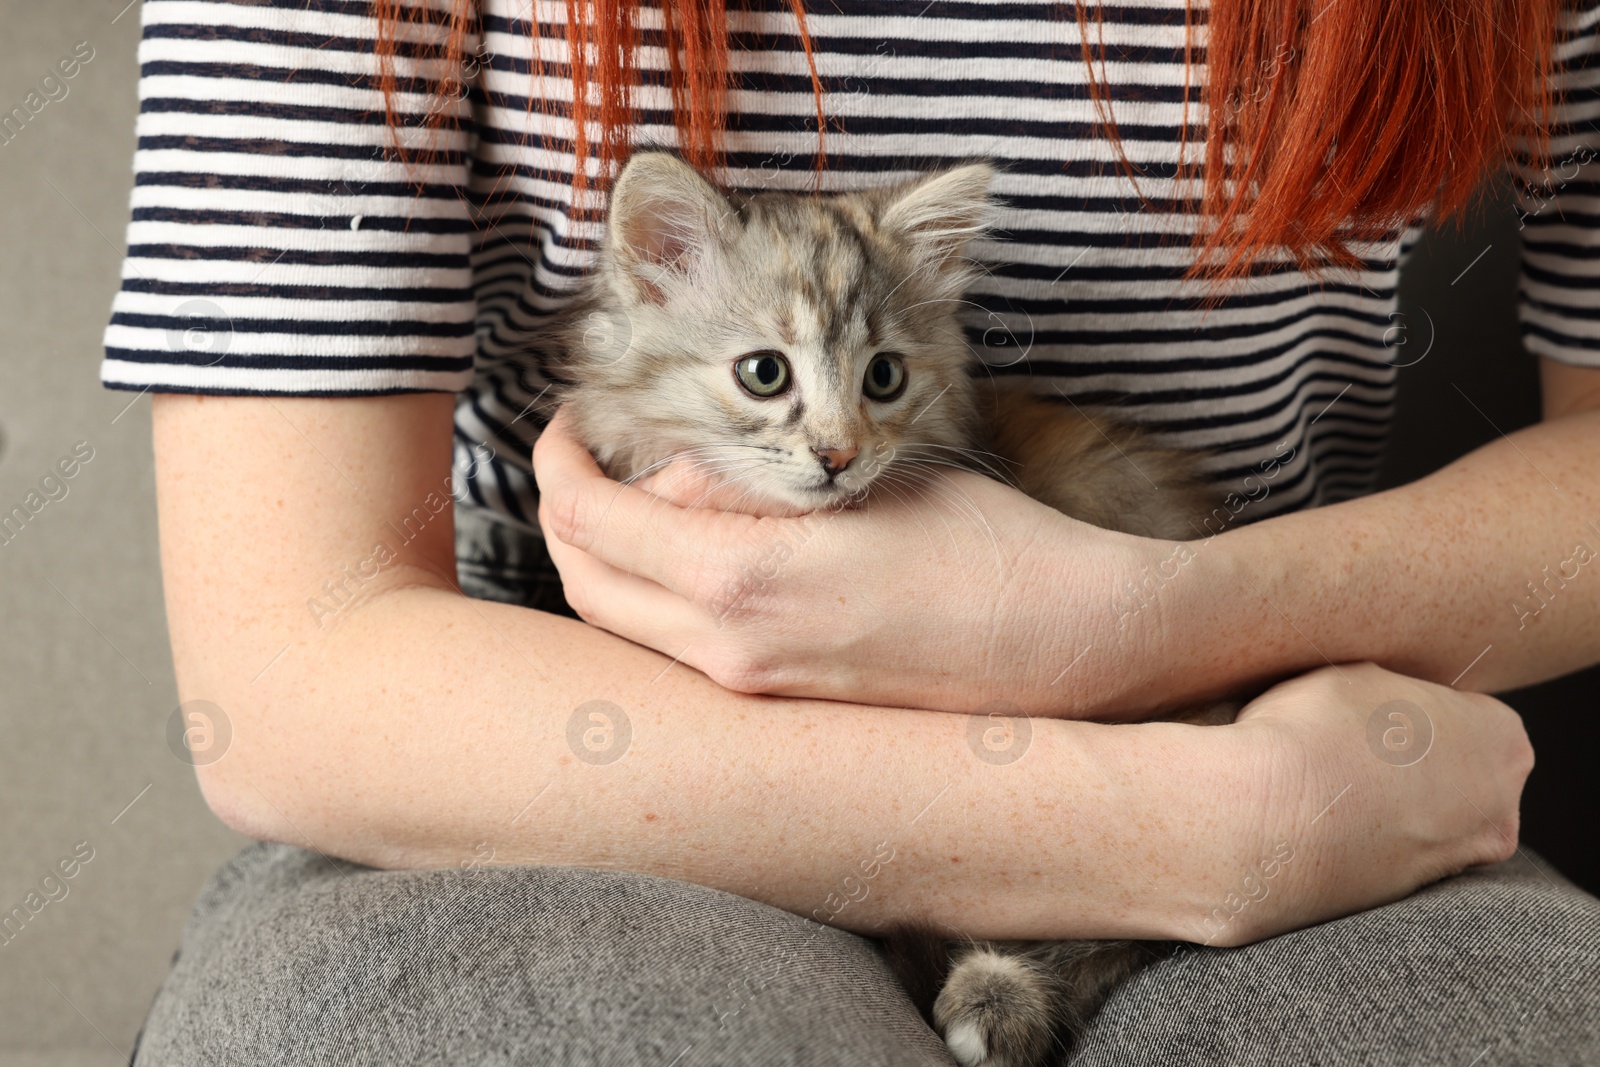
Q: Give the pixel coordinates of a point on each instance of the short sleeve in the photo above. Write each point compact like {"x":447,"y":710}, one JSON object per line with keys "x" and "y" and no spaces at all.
{"x":277,"y":242}
{"x":1559,"y":207}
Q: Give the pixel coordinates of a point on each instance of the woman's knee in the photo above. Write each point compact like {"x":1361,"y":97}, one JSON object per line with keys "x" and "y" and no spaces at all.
{"x":287,"y":956}
{"x":1499,"y":960}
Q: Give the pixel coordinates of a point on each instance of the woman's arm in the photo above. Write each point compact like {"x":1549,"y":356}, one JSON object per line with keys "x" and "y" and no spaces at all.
{"x":988,"y":595}
{"x":1484,"y":575}
{"x":380,"y":716}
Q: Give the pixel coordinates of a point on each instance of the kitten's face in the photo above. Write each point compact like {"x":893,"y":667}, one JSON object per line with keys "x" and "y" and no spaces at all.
{"x":801,"y":348}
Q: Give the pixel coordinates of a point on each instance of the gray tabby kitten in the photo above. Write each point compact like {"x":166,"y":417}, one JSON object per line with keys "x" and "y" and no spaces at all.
{"x":807,"y":349}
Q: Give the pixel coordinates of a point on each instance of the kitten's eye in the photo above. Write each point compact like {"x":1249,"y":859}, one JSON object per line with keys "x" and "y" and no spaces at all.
{"x":763,"y":374}
{"x":886,"y":376}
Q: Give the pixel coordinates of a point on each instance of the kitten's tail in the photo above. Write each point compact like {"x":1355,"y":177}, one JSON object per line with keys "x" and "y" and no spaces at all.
{"x":920,"y":959}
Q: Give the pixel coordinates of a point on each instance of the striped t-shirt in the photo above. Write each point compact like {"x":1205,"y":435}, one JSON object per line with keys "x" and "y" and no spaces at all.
{"x":276,"y":249}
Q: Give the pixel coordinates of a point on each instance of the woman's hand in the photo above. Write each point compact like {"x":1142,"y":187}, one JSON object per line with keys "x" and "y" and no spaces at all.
{"x":1374,"y":784}
{"x":965,"y":593}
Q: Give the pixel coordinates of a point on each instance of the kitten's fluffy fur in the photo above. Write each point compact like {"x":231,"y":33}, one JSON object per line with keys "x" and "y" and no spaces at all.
{"x":690,"y":282}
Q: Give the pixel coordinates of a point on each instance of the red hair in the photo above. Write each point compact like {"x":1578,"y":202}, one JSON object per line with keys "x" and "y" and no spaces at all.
{"x":1388,"y":108}
{"x":1325,"y":125}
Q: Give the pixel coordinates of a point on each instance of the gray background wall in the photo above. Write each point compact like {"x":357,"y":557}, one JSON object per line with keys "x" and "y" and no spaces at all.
{"x":85,"y":682}
{"x":85,"y":677}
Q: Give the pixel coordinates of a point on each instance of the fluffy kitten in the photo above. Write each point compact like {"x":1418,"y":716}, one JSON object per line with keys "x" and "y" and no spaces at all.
{"x":807,"y":348}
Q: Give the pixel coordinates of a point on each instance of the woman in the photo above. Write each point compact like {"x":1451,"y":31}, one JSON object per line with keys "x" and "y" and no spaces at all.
{"x":504,"y":835}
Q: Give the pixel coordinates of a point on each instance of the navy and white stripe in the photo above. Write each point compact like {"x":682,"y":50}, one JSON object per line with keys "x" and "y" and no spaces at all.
{"x":276,"y":248}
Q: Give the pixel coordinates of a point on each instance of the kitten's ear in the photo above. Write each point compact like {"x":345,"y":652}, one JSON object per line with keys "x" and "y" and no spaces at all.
{"x":939,"y":214}
{"x":665,"y":220}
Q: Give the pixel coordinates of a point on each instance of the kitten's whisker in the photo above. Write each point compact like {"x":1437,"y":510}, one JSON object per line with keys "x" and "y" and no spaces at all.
{"x":689,"y":454}
{"x":909,"y":496}
{"x":941,"y":300}
{"x":958,"y":499}
{"x":907,"y":278}
{"x":889,"y":486}
{"x":727,"y":473}
{"x":974,"y":468}
{"x":911,"y":459}
{"x":693,"y":456}
{"x":976,"y":460}
{"x":669,"y":459}
{"x":956,"y":448}
{"x":972,"y":464}
{"x":645,"y":472}
{"x":962,"y":502}
{"x":949,"y":532}
{"x":749,"y":492}
{"x":986,"y":269}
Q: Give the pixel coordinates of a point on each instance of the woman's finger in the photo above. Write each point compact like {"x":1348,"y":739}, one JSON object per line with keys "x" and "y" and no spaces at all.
{"x":629,"y":606}
{"x":624,"y":526}
{"x":688,"y":485}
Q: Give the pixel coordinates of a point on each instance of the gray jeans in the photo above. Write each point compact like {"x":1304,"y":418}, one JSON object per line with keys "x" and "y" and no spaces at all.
{"x":291,"y":958}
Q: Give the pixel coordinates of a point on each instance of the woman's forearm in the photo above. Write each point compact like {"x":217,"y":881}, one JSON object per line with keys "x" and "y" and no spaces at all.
{"x":379,"y":715}
{"x":1485,"y":574}
{"x":1005,"y":599}
{"x":429,"y":730}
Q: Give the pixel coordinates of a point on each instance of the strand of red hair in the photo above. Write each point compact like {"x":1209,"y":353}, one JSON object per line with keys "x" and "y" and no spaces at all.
{"x":1343,"y":121}
{"x":1328,"y":122}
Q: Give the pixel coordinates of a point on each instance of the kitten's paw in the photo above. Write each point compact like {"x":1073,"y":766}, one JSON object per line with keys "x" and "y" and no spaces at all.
{"x":995,"y":1011}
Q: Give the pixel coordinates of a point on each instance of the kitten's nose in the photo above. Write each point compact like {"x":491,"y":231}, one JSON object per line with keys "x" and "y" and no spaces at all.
{"x":835,"y":460}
